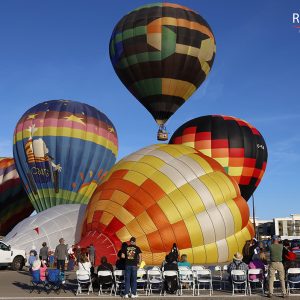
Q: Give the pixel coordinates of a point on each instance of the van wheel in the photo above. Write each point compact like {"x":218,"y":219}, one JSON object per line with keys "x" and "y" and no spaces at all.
{"x":18,"y":263}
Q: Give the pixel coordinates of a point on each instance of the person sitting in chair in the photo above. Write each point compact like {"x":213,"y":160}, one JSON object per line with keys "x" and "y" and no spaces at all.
{"x":237,"y":264}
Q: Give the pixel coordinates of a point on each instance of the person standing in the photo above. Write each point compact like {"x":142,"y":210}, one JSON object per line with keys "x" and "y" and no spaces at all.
{"x":51,"y":259}
{"x":120,"y":263}
{"x":78,"y":254}
{"x":248,"y":252}
{"x":288,"y":257}
{"x":60,"y":254}
{"x":276,"y":265}
{"x":71,"y":259}
{"x":174,"y":252}
{"x":92,"y":253}
{"x":32,"y":258}
{"x":133,"y":257}
{"x":44,"y":251}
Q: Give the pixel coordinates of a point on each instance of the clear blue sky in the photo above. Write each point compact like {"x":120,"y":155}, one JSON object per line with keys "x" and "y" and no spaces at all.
{"x":59,"y":49}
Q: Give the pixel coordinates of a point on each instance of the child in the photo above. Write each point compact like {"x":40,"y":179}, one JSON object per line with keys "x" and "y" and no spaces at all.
{"x":31,"y":259}
{"x":51,"y":259}
{"x":43,"y":269}
{"x":71,"y":262}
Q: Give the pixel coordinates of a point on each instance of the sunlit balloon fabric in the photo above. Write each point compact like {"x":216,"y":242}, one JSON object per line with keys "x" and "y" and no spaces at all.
{"x":235,"y":144}
{"x":14,"y":202}
{"x":63,"y":149}
{"x":48,"y":226}
{"x":169,"y":193}
{"x":162,"y":52}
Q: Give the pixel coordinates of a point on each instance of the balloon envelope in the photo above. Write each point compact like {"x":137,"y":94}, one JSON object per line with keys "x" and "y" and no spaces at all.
{"x":14,"y":202}
{"x":63,"y":149}
{"x":48,"y":226}
{"x":164,"y":194}
{"x":162,"y":53}
{"x":237,"y":145}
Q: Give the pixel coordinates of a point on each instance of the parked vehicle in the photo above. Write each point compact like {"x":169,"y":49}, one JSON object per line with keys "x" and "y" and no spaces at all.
{"x":11,"y":257}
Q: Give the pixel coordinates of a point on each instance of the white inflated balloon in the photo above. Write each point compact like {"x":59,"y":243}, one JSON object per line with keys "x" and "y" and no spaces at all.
{"x":48,"y":226}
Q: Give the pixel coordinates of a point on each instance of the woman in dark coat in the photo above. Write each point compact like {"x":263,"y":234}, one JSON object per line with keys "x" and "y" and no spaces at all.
{"x":120,"y":263}
{"x":105,"y":281}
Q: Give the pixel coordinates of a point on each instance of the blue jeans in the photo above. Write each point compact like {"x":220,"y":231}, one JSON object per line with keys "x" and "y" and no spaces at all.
{"x":130,"y":279}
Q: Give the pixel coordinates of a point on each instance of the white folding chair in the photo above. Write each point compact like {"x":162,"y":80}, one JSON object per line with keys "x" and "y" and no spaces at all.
{"x":154,"y":281}
{"x":239,"y":278}
{"x":195,"y":268}
{"x":293,"y":278}
{"x":259,"y":279}
{"x":84,"y":282}
{"x":183,"y":268}
{"x":171,"y":274}
{"x":186,"y":278}
{"x":204,"y":277}
{"x":105,"y":274}
{"x":119,"y":276}
{"x":141,"y":280}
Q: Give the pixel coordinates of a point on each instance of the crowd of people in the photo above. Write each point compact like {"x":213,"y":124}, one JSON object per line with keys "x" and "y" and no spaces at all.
{"x":254,"y":257}
{"x":129,"y":259}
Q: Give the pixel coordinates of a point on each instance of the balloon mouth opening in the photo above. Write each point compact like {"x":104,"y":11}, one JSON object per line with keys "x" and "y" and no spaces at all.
{"x":103,"y":246}
{"x":160,"y":122}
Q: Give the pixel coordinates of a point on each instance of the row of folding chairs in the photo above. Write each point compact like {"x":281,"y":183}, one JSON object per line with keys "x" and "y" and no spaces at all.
{"x":242,"y":280}
{"x":195,"y":279}
{"x":292,"y":280}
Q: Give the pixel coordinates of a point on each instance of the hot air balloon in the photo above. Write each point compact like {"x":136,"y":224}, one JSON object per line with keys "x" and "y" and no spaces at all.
{"x":14,"y":203}
{"x":63,"y":149}
{"x":162,"y":53}
{"x":48,"y":226}
{"x":164,"y":194}
{"x":235,"y":144}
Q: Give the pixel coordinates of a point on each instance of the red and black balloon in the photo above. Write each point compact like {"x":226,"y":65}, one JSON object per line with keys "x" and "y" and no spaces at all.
{"x":235,"y":144}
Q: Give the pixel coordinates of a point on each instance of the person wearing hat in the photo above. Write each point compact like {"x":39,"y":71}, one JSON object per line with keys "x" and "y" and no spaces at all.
{"x":276,"y":265}
{"x":238,"y":264}
{"x":133,"y":257}
{"x":60,"y":254}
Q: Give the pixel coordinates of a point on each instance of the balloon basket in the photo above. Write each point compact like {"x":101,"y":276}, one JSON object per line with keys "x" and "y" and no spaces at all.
{"x":162,"y":134}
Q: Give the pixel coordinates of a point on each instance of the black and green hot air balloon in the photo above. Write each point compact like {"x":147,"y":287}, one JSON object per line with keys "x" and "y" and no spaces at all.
{"x":162,"y":53}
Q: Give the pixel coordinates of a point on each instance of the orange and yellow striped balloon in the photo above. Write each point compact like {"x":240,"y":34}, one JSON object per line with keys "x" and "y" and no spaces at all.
{"x":164,"y":194}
